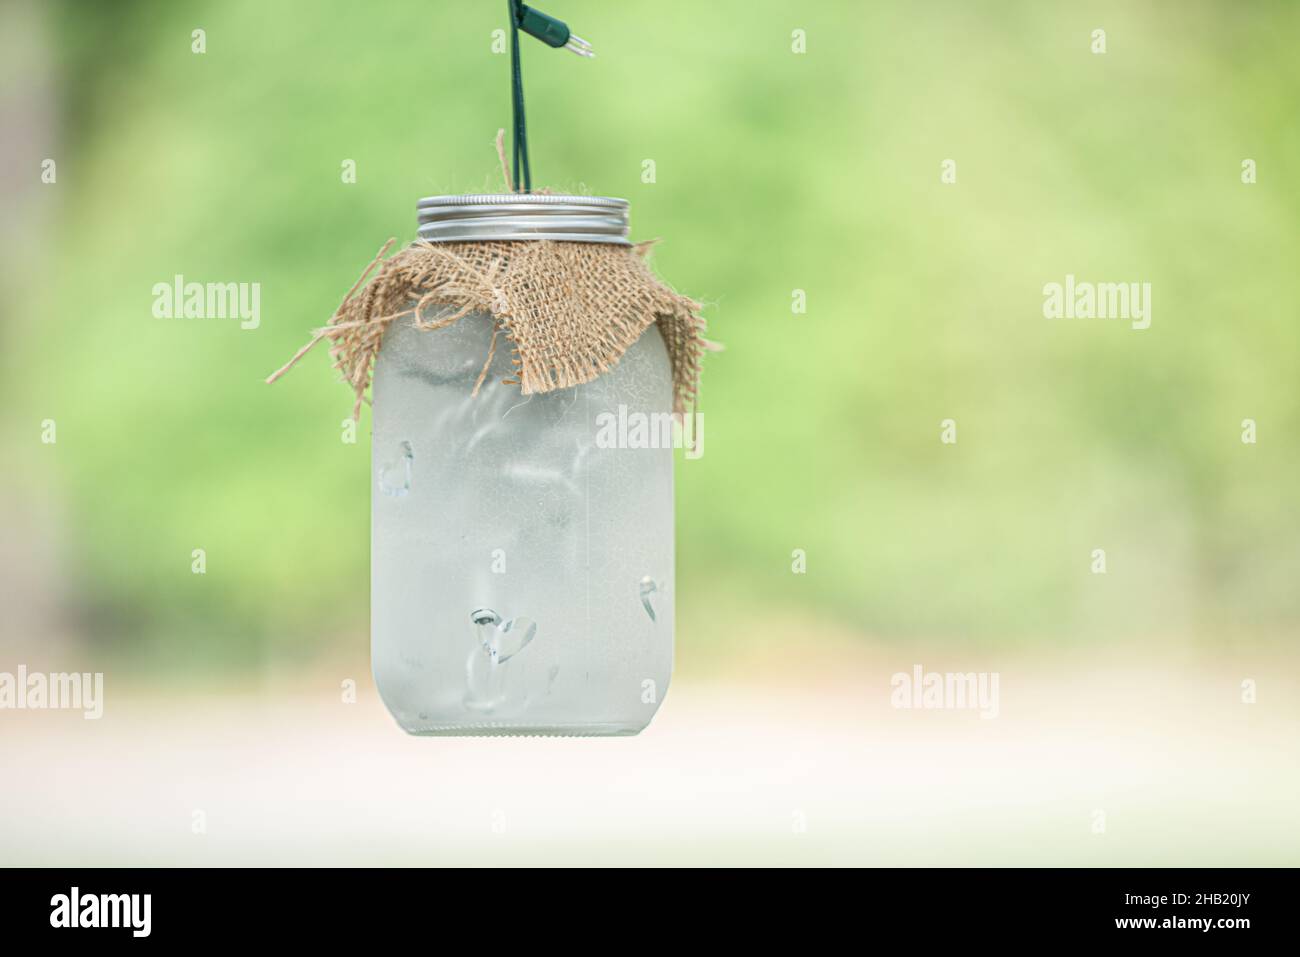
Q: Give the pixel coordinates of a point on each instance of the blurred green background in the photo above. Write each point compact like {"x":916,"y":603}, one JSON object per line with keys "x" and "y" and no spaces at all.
{"x":776,"y":172}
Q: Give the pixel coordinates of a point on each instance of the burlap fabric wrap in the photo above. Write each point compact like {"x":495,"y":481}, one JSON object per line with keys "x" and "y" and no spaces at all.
{"x":568,"y":310}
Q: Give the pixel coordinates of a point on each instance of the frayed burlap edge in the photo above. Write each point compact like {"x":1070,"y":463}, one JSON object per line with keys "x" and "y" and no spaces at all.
{"x":568,"y":310}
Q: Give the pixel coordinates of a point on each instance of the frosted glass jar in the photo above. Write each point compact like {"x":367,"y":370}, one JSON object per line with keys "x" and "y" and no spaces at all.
{"x":521,"y":570}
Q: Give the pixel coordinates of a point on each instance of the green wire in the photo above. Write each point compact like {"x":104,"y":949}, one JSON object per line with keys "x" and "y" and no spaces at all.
{"x":521,"y":163}
{"x":554,"y":33}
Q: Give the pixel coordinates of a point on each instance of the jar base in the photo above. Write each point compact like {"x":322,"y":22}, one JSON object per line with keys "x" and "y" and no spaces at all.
{"x":506,"y":730}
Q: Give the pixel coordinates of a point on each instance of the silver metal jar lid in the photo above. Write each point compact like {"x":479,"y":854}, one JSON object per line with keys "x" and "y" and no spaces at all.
{"x":482,"y":218}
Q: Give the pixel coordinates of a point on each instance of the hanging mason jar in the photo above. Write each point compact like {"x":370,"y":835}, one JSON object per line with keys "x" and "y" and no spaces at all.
{"x":526,"y":371}
{"x":530,"y":376}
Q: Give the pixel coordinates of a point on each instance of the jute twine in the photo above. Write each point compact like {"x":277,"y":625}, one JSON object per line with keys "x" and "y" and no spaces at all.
{"x":568,"y":310}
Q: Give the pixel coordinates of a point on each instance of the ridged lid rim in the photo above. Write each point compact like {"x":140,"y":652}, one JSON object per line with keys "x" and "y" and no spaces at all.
{"x":485,"y":217}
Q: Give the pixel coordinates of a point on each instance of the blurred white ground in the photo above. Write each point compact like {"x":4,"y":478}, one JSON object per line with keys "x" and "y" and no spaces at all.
{"x":731,"y":771}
